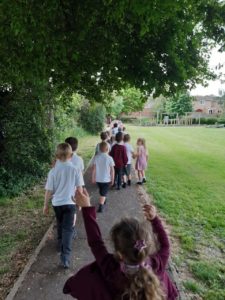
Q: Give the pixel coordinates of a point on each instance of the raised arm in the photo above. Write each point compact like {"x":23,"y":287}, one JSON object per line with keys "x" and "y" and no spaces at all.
{"x":160,"y":258}
{"x":92,"y":229}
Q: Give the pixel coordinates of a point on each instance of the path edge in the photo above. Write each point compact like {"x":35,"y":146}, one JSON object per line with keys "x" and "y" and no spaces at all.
{"x":35,"y":254}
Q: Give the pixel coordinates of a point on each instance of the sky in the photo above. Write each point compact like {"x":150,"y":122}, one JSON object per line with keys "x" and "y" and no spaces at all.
{"x":213,"y":86}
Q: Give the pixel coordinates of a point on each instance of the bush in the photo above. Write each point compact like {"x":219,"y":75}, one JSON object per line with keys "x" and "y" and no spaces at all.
{"x":209,"y":121}
{"x":92,"y":118}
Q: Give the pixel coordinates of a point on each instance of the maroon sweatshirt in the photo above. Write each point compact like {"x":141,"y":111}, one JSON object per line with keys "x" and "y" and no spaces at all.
{"x":104,"y":278}
{"x":119,"y":155}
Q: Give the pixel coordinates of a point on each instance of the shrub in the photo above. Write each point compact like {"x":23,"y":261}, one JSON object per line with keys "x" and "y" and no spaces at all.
{"x":92,"y":118}
{"x":208,"y":121}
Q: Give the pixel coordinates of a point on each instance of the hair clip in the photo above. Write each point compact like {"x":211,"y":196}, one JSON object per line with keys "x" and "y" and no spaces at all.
{"x":140,"y":245}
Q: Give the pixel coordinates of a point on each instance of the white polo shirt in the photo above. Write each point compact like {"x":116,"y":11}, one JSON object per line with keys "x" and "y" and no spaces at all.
{"x":77,"y":161}
{"x":63,"y":180}
{"x":130,"y":150}
{"x":103,"y":163}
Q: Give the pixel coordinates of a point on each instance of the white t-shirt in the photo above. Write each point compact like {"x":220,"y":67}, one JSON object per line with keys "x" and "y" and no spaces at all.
{"x":130,"y":150}
{"x":78,"y":162}
{"x":103,"y":163}
{"x":63,"y":180}
{"x":115,"y":130}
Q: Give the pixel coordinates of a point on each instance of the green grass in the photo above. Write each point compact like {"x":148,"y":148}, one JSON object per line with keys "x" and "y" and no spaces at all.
{"x":186,"y":176}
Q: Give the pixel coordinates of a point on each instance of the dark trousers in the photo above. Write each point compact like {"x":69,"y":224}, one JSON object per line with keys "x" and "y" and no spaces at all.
{"x":118,"y":176}
{"x":65,"y":217}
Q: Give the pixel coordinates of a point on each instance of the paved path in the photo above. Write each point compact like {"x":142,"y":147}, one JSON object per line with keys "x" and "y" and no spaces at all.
{"x":46,"y":278}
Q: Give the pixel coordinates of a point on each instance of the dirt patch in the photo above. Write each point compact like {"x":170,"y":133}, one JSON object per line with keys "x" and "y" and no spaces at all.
{"x":22,"y":227}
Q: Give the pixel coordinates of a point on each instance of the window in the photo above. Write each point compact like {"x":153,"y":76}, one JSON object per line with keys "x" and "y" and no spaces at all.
{"x":202,"y":102}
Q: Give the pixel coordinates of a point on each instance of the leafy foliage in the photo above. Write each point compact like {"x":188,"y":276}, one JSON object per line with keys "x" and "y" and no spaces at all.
{"x":126,"y":100}
{"x":180,"y":103}
{"x":92,"y":118}
{"x":89,"y":46}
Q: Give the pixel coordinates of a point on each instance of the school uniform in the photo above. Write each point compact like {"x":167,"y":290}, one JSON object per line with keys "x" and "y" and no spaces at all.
{"x":105,"y":278}
{"x":115,"y":130}
{"x":63,"y":180}
{"x":119,"y":154}
{"x":103,"y":163}
{"x":129,"y":150}
{"x":78,"y":162}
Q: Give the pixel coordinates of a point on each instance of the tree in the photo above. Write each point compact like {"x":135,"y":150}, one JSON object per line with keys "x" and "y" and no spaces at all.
{"x":127,"y":100}
{"x":88,"y":46}
{"x":180,"y":103}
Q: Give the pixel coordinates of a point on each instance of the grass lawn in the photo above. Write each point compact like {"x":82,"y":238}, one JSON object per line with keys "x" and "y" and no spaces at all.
{"x":22,"y":224}
{"x":186,"y":176}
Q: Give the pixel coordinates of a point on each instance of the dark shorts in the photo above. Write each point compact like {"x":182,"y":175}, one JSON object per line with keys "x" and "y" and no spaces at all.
{"x":103,"y":188}
{"x":127,"y":170}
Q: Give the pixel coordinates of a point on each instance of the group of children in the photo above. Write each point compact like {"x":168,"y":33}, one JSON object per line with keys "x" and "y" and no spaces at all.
{"x":133,"y":271}
{"x":113,"y":160}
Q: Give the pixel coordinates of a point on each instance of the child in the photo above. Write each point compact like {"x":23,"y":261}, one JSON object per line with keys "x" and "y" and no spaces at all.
{"x":112,"y":141}
{"x":103,"y":173}
{"x":130,"y":154}
{"x":119,"y":155}
{"x":63,"y":181}
{"x":78,"y":162}
{"x":104,"y":138}
{"x":132,"y":272}
{"x":115,"y":129}
{"x":141,"y":162}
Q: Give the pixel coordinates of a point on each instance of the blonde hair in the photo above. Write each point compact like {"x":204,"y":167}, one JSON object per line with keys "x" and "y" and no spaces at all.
{"x":63,"y":151}
{"x":142,"y":141}
{"x":103,"y":147}
{"x":143,"y":284}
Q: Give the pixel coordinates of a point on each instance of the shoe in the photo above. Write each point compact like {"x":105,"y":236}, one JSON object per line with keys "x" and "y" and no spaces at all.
{"x":100,"y":208}
{"x":139,"y":182}
{"x":129,"y":182}
{"x":118,"y":188}
{"x":65,"y":262}
{"x":75,"y":235}
{"x":144,"y":180}
{"x":124,"y":185}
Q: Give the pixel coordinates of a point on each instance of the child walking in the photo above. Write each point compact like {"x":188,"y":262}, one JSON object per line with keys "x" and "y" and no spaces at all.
{"x":132,"y":272}
{"x":141,"y":162}
{"x":130,"y":154}
{"x":63,"y":181}
{"x":104,"y":138}
{"x":103,"y":173}
{"x":119,"y":155}
{"x":76,"y":160}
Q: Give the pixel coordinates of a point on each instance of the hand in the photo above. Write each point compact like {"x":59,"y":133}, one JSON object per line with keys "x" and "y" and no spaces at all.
{"x":82,"y":199}
{"x":45,"y":210}
{"x":93,"y":180}
{"x":149,"y":212}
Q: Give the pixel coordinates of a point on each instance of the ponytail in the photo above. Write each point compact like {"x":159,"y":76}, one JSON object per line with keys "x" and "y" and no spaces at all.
{"x":143,"y":285}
